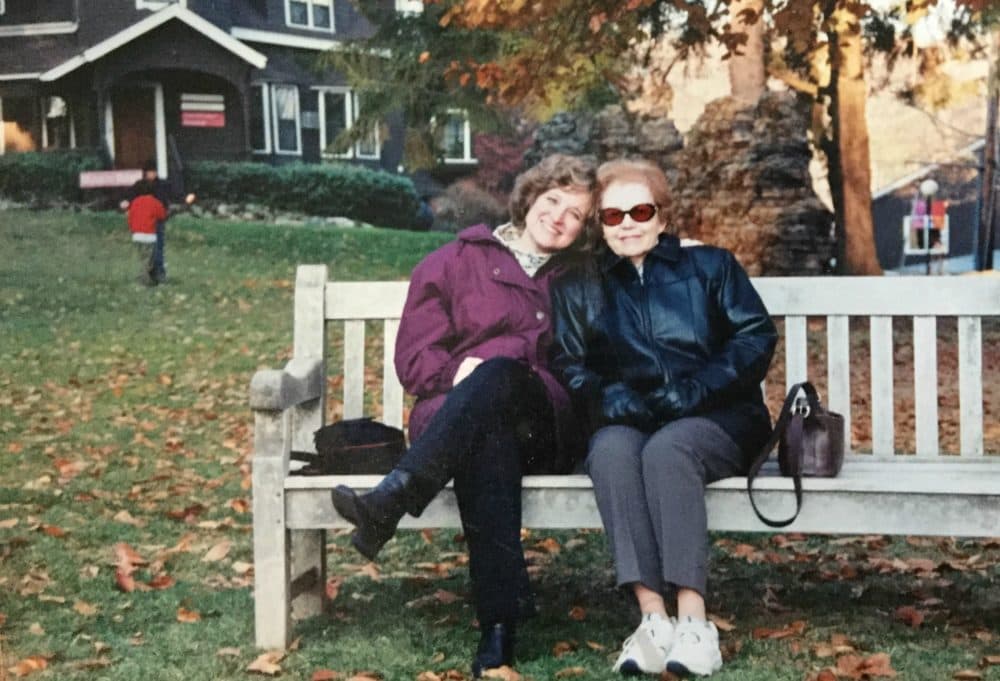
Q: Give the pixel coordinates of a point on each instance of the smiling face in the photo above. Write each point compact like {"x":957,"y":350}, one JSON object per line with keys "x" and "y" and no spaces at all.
{"x":555,"y":219}
{"x":631,"y":239}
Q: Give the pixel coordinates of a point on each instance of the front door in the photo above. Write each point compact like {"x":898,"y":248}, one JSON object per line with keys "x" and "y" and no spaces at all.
{"x":134,"y":111}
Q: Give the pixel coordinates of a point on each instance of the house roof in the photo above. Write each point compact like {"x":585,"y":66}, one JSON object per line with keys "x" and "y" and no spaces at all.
{"x":140,"y":28}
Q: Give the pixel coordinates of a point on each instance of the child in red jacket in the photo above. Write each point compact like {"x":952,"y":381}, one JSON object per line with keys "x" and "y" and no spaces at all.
{"x":144,"y":212}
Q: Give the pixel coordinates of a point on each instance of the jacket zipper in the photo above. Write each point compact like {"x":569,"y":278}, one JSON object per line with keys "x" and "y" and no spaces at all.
{"x":648,"y":328}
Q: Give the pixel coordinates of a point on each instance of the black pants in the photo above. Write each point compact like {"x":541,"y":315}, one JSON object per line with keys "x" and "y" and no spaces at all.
{"x":494,"y":426}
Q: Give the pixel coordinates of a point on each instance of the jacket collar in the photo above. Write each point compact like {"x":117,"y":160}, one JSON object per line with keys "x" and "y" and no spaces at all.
{"x":511,"y":272}
{"x":667,"y":249}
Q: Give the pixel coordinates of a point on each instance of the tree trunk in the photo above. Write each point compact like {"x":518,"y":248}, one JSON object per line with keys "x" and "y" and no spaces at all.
{"x":988,"y":187}
{"x":747,"y":77}
{"x":850,"y":163}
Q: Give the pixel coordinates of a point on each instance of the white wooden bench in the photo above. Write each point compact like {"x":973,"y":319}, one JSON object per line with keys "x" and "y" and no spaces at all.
{"x":922,"y":493}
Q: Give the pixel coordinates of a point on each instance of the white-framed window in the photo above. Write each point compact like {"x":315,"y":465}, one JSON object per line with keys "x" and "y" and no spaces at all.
{"x":3,"y":7}
{"x":285,"y":111}
{"x":456,"y":137}
{"x":410,"y":6}
{"x":312,"y":14}
{"x":339,"y":108}
{"x":156,"y":4}
{"x":260,"y":118}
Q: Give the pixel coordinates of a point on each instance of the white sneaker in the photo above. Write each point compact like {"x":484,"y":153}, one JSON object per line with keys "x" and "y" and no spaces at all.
{"x":695,"y":649}
{"x":645,"y":651}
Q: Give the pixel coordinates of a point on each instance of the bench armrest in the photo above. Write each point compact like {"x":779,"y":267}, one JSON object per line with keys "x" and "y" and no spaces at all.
{"x":279,"y":389}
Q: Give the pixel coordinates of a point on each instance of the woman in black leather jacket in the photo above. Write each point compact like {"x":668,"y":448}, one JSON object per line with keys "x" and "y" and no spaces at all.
{"x":664,"y":348}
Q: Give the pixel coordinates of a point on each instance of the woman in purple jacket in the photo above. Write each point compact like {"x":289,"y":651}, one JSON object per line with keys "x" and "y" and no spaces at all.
{"x":472,"y":346}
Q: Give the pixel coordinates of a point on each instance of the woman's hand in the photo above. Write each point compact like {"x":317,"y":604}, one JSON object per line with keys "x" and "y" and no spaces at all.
{"x":676,"y":399}
{"x":620,"y":404}
{"x":467,"y":366}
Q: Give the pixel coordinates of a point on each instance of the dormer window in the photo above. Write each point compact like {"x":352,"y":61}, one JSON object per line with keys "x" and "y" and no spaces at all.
{"x":312,"y":14}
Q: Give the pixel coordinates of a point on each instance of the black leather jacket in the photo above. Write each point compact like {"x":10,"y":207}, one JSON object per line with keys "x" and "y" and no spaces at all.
{"x":690,"y":337}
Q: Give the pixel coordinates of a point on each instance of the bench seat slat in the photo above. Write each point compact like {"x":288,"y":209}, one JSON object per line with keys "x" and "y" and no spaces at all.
{"x":869,"y":497}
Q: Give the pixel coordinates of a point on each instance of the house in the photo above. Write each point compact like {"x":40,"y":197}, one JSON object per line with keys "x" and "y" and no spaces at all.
{"x":183,"y":80}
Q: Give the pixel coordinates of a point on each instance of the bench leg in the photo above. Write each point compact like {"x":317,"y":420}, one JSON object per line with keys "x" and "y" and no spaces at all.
{"x":309,"y":568}
{"x":271,"y":550}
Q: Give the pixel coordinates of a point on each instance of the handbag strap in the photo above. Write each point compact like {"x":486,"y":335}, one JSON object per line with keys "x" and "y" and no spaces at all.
{"x":793,"y":423}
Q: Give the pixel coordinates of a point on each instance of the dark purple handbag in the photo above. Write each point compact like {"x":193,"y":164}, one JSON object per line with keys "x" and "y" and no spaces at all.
{"x":810,"y":442}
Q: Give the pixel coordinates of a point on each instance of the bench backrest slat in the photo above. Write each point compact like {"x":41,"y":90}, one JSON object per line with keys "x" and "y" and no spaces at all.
{"x":970,"y":385}
{"x":796,"y":351}
{"x":354,"y":369}
{"x":925,"y":385}
{"x":795,"y":299}
{"x":838,"y":369}
{"x":392,"y":390}
{"x":883,"y":435}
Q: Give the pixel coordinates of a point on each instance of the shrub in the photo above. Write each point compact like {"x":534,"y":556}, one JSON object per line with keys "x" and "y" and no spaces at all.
{"x":464,"y":203}
{"x":355,"y":192}
{"x":44,"y":177}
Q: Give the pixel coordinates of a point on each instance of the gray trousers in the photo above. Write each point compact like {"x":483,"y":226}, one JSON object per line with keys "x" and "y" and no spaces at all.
{"x":650,"y":491}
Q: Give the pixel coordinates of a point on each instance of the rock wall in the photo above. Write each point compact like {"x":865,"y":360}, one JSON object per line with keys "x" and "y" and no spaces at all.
{"x":740,"y":178}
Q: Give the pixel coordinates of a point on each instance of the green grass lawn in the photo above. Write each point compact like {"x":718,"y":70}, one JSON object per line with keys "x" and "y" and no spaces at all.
{"x":123,"y":418}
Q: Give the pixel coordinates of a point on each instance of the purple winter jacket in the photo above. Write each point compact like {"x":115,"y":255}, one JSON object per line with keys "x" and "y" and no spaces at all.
{"x":471,"y":298}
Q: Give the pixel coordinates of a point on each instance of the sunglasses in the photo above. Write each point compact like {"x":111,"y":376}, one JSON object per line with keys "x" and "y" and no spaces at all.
{"x":643,"y":212}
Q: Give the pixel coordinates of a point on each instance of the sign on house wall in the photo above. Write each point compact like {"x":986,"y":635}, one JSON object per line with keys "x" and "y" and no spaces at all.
{"x":203,"y":111}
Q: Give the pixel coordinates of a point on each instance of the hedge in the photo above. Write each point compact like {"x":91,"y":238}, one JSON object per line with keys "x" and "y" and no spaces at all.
{"x":44,"y":176}
{"x":376,"y":197}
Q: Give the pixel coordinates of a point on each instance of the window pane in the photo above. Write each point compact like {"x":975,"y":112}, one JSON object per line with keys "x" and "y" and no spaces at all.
{"x":335,"y":110}
{"x":321,"y":16}
{"x":298,"y":12}
{"x":21,"y":123}
{"x":368,"y":145}
{"x":454,"y":137}
{"x":258,"y":135}
{"x":57,"y":123}
{"x":287,"y":110}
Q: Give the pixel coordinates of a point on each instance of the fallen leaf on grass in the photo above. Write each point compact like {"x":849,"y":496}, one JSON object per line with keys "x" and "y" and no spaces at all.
{"x":36,"y":629}
{"x":856,"y":667}
{"x":570,"y":671}
{"x":52,"y":531}
{"x":127,"y":518}
{"x":162,"y":581}
{"x":577,"y":613}
{"x":597,"y":647}
{"x":446,"y":597}
{"x":505,"y":673}
{"x":217,"y":552}
{"x":428,"y":676}
{"x":267,"y":663}
{"x":794,"y":629}
{"x":29,"y":665}
{"x":333,"y":588}
{"x":239,"y":505}
{"x":909,"y":616}
{"x":325,"y":675}
{"x":188,"y":616}
{"x":548,"y":545}
{"x":9,"y":523}
{"x":721,"y":624}
{"x":989,"y":661}
{"x":967,"y":675}
{"x":84,"y":608}
{"x":366,"y":676}
{"x":563,"y":648}
{"x":227,"y":652}
{"x":91,"y":663}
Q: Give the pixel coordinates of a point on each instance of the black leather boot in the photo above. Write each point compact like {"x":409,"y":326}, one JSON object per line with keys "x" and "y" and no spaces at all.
{"x":376,"y":514}
{"x":496,"y":648}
